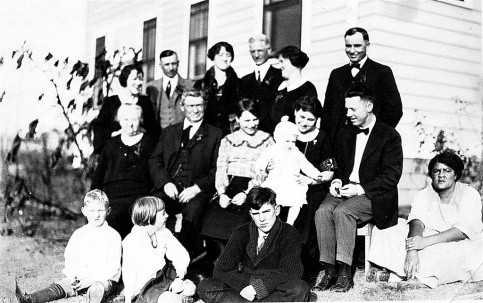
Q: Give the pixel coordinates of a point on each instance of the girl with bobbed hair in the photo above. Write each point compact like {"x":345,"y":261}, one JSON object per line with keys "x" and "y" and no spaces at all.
{"x":221,"y":85}
{"x":442,"y":240}
{"x":106,"y":126}
{"x":291,"y":61}
{"x":146,"y":275}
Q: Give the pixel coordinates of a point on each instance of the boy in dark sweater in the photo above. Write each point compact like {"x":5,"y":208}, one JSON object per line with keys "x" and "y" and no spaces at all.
{"x":261,"y":260}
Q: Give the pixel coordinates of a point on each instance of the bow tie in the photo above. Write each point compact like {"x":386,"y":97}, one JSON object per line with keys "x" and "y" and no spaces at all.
{"x":355,"y":65}
{"x":362,"y":130}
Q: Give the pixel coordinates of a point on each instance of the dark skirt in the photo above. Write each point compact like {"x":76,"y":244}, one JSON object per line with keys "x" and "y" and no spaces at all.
{"x":122,"y":195}
{"x":220,"y":222}
{"x":157,"y":285}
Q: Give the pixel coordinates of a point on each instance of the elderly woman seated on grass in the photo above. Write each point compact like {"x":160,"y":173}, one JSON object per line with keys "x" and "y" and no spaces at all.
{"x":444,"y":243}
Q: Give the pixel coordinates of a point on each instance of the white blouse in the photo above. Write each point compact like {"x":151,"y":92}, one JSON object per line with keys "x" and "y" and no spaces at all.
{"x":141,"y":261}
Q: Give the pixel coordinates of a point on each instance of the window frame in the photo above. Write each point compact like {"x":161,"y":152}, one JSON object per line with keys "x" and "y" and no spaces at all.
{"x":272,"y":6}
{"x":197,"y":41}
{"x":149,"y":62}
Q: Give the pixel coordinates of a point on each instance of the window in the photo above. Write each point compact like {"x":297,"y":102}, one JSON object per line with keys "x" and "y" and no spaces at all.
{"x":198,"y":39}
{"x":100,"y":56}
{"x":149,"y":49}
{"x":282,"y":22}
{"x":100,"y":53}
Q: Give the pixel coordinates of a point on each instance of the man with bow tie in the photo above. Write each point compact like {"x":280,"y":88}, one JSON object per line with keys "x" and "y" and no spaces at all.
{"x":387,"y":106}
{"x":183,"y":166}
{"x":370,"y":159}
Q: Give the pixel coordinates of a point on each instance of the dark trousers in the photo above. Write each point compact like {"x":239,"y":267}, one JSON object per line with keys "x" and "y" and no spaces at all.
{"x":213,"y":290}
{"x":336,"y":224}
{"x":192,"y":212}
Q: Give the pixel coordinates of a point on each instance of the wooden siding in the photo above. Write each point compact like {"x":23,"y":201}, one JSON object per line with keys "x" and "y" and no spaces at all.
{"x":433,"y":47}
{"x":234,"y":22}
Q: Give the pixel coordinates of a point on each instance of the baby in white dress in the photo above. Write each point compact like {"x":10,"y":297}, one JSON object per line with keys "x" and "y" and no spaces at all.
{"x":279,"y":167}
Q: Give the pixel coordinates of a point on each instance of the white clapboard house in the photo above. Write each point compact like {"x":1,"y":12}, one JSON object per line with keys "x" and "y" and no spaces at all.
{"x":434,"y":48}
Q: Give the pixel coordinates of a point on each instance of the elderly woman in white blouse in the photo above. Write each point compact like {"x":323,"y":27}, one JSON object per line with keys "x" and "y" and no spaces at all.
{"x":444,"y":243}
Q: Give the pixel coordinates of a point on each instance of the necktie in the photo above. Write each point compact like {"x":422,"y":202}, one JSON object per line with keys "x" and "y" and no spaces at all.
{"x":259,"y":79}
{"x":185,"y":137}
{"x":260,"y":246}
{"x":168,"y":89}
{"x":362,"y":130}
{"x":355,"y":65}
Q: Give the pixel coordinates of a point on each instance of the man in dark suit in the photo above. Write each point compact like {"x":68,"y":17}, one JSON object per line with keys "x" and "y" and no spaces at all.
{"x":262,"y":84}
{"x":370,"y":159}
{"x":261,"y":261}
{"x":165,"y":93}
{"x":387,"y":105}
{"x":183,"y":166}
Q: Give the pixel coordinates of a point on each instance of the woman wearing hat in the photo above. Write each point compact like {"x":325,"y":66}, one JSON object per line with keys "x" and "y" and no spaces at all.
{"x":444,"y":243}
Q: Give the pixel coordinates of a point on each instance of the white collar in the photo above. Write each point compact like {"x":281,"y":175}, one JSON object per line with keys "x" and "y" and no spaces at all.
{"x":297,"y":84}
{"x":263,"y":69}
{"x":370,"y":126}
{"x":174,"y":81}
{"x":362,"y":62}
{"x":194,"y":126}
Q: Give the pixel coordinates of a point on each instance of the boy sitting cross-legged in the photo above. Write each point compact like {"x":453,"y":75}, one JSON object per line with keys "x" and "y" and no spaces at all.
{"x":92,"y":258}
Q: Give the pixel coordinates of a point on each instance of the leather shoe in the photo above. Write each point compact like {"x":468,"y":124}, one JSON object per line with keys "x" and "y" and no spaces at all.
{"x":21,"y":297}
{"x":327,"y":282}
{"x":343,"y":284}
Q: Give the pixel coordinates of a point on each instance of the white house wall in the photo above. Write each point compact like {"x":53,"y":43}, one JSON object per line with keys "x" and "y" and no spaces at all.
{"x":433,"y":48}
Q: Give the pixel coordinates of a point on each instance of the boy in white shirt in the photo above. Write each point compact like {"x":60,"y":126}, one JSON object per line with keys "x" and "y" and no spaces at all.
{"x":92,"y":258}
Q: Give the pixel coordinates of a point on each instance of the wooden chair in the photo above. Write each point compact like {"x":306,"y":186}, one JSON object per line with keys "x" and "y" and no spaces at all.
{"x":366,"y":231}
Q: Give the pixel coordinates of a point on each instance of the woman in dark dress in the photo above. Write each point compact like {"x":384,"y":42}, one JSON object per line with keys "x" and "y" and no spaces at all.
{"x":221,"y":85}
{"x":291,"y":61}
{"x":122,"y":171}
{"x":234,"y":169}
{"x":106,"y":126}
{"x":314,"y":144}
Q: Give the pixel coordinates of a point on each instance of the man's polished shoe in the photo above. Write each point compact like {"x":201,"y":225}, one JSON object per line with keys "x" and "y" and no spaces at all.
{"x":343,"y":284}
{"x":327,"y":282}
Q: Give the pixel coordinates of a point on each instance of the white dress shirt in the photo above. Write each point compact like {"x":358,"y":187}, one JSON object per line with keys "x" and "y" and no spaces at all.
{"x":361,"y":142}
{"x":173,"y":81}
{"x":262,"y":69}
{"x":194,"y":126}
{"x":354,"y":70}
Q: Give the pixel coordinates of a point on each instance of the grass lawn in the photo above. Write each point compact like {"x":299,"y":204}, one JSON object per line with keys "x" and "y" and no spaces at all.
{"x":38,"y":261}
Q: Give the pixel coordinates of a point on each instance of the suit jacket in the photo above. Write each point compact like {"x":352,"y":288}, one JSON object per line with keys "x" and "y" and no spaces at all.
{"x":264,"y":93}
{"x":387,"y":106}
{"x":168,"y":111}
{"x":278,"y":261}
{"x":203,"y":153}
{"x":380,"y":169}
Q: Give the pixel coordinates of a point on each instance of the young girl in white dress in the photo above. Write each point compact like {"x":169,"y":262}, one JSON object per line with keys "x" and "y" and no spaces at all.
{"x":146,"y":275}
{"x":279,"y":168}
